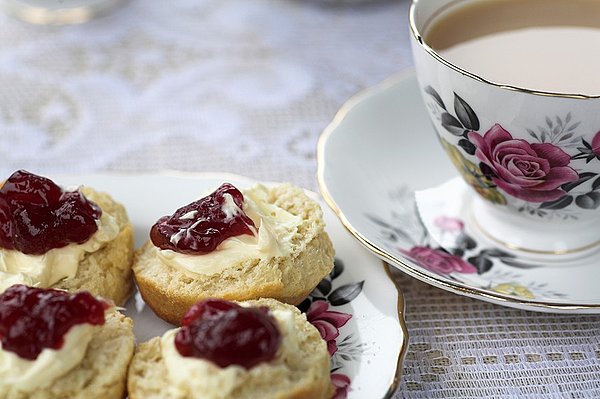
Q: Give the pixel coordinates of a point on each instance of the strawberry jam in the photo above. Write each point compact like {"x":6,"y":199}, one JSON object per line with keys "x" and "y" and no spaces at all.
{"x":32,"y":319}
{"x":226,"y":333}
{"x":199,"y":228}
{"x":36,"y":215}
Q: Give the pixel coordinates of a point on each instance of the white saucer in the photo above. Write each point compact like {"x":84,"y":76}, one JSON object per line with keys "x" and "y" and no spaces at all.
{"x":376,"y":152}
{"x":370,"y":346}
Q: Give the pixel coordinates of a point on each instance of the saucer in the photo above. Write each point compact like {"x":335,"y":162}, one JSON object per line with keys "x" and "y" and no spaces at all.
{"x":377,"y":152}
{"x":370,"y":344}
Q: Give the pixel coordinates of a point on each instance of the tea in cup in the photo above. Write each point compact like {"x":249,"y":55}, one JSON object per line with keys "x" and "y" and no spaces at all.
{"x":513,"y":91}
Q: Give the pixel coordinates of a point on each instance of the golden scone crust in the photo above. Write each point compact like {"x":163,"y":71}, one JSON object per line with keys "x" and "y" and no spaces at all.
{"x":170,"y":292}
{"x":103,"y":372}
{"x":106,"y":272}
{"x":308,"y":378}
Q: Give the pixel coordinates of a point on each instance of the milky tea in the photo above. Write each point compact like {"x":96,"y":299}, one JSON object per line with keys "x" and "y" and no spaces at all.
{"x":542,"y":45}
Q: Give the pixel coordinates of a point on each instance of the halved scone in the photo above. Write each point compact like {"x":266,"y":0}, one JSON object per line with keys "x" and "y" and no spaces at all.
{"x":287,"y":268}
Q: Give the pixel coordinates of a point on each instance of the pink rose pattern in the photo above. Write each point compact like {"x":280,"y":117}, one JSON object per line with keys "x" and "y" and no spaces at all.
{"x":341,"y":383}
{"x":596,"y":145}
{"x":328,"y":322}
{"x":539,"y":173}
{"x":439,"y":261}
{"x":449,"y":224}
{"x":531,"y":172}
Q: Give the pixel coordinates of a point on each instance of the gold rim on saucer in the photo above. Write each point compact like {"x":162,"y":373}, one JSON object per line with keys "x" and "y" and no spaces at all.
{"x":402,"y":264}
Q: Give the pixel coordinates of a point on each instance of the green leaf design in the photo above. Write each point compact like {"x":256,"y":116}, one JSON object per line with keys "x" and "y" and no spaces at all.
{"x":436,"y":97}
{"x":532,"y":134}
{"x":590,"y":200}
{"x":467,"y":146}
{"x":496,"y":253}
{"x":338,"y":268}
{"x":596,"y":184}
{"x":573,"y":126}
{"x":452,"y":124}
{"x":566,"y":136}
{"x":583,"y":177}
{"x":346,"y":293}
{"x":465,"y":241}
{"x":481,"y":262}
{"x":324,"y":286}
{"x":465,"y":113}
{"x":560,"y":203}
{"x":586,"y":144}
{"x":377,"y":220}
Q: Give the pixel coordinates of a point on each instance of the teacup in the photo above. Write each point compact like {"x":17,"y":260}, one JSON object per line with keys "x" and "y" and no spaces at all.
{"x":62,"y":12}
{"x":532,"y":156}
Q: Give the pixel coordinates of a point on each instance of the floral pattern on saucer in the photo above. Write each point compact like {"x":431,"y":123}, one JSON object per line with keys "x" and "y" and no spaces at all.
{"x":456,"y":254}
{"x":545,"y":177}
{"x":384,"y":140}
{"x":329,"y":323}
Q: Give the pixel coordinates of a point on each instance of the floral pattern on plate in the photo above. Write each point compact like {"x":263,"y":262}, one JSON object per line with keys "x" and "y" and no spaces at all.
{"x":329,"y":323}
{"x":372,"y":343}
{"x":545,"y":177}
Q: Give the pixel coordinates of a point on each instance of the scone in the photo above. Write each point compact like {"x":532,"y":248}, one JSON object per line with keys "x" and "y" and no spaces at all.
{"x":75,"y":240}
{"x":254,"y":349}
{"x":259,"y":243}
{"x":83,"y":354}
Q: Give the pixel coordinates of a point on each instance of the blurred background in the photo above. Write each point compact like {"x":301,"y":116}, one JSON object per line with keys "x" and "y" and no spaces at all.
{"x":193,"y":85}
{"x":247,"y":86}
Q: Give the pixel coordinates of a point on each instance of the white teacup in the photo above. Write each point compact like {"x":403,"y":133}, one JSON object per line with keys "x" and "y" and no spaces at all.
{"x":59,"y":12}
{"x":533,"y":157}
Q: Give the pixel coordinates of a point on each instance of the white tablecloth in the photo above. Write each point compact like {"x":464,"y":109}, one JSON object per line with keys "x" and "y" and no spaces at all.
{"x":246,"y":87}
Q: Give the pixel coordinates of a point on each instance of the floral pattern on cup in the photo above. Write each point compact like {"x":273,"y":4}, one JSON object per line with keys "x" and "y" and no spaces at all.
{"x":473,"y":175}
{"x":329,"y":323}
{"x":589,"y":151}
{"x":544,"y":177}
{"x":531,"y":172}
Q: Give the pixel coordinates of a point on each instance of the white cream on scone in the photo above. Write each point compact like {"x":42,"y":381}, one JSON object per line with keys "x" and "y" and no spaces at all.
{"x":276,"y":227}
{"x":28,"y":375}
{"x":189,"y":374}
{"x":59,"y":263}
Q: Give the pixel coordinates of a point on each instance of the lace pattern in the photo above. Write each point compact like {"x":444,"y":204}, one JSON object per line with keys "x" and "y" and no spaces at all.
{"x":246,"y":87}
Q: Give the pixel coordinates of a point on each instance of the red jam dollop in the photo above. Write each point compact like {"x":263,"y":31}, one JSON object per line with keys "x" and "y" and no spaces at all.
{"x":226,"y":333}
{"x":199,"y":227}
{"x":36,"y":215}
{"x":32,"y":319}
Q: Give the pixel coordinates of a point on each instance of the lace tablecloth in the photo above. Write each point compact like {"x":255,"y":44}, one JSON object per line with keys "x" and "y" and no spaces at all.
{"x":246,"y":87}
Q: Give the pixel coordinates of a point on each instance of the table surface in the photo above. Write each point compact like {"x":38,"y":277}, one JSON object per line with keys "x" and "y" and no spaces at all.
{"x":246,"y":87}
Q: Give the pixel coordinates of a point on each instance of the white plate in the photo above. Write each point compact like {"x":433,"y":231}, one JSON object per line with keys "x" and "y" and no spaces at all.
{"x":370,"y":346}
{"x":374,"y":154}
